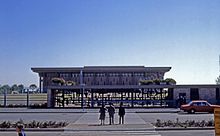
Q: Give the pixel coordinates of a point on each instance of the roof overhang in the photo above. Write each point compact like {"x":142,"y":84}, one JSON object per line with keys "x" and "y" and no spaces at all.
{"x":101,"y":69}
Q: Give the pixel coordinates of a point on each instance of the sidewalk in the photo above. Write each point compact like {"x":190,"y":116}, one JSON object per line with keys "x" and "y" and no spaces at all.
{"x":89,"y":125}
{"x":129,"y":110}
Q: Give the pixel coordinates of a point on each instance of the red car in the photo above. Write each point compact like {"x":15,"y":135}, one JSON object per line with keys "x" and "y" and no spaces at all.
{"x":198,"y":106}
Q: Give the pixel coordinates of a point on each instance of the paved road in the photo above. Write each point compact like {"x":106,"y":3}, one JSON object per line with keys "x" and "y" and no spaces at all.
{"x":68,"y":117}
{"x":31,"y":134}
{"x":188,"y":133}
{"x":90,"y":122}
{"x":140,"y":133}
{"x":73,"y":117}
{"x":152,"y":117}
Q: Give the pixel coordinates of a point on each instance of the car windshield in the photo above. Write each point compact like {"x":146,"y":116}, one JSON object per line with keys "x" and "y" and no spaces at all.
{"x":190,"y":103}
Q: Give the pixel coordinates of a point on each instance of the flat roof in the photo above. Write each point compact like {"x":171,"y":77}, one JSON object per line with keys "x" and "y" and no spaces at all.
{"x":101,"y":69}
{"x":135,"y":86}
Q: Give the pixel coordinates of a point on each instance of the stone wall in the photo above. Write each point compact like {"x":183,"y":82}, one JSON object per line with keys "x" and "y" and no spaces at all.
{"x":208,"y":94}
{"x":177,"y":91}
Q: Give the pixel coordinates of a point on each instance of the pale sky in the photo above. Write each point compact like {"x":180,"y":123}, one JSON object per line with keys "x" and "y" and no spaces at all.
{"x":182,"y":34}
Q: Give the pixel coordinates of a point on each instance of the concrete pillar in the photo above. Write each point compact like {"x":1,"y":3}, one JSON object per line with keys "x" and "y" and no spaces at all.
{"x":40,"y":84}
{"x":5,"y":98}
{"x":132,"y":98}
{"x":27,"y":97}
{"x":50,"y":98}
{"x":92,"y":98}
{"x":82,"y":97}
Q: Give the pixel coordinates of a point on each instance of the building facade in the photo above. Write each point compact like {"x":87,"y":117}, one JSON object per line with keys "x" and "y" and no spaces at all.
{"x":100,"y":75}
{"x":96,"y":85}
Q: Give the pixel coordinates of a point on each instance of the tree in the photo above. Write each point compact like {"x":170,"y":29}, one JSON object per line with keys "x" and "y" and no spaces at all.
{"x":14,"y":87}
{"x":6,"y":88}
{"x":20,"y":88}
{"x":218,"y":80}
{"x":33,"y":86}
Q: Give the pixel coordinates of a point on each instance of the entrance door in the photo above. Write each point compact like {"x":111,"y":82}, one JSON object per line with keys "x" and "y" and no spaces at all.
{"x":194,"y":93}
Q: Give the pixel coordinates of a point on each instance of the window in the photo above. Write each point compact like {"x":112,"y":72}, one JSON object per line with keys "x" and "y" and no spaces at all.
{"x":64,"y":75}
{"x":75,"y":75}
{"x":203,"y":104}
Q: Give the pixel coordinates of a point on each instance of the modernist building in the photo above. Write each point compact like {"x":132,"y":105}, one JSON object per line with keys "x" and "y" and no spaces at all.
{"x":96,"y":85}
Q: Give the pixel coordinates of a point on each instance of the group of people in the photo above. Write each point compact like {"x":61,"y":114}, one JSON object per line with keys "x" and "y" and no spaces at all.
{"x":111,"y":111}
{"x":102,"y":111}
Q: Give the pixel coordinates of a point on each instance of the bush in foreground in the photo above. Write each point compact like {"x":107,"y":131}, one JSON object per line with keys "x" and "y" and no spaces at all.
{"x":33,"y":124}
{"x":184,"y":124}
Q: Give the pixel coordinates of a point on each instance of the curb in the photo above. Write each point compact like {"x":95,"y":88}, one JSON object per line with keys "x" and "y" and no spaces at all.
{"x":150,"y":129}
{"x":189,"y":128}
{"x":33,"y":129}
{"x":70,"y":130}
{"x":40,"y":112}
{"x":85,"y":112}
{"x":157,"y":112}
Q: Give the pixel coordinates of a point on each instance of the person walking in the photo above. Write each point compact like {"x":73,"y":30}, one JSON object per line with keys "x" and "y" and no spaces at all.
{"x":20,"y":130}
{"x":121,"y":113}
{"x":102,"y":111}
{"x":111,"y":111}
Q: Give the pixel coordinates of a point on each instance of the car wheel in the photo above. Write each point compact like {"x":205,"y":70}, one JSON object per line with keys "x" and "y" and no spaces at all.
{"x":192,"y":111}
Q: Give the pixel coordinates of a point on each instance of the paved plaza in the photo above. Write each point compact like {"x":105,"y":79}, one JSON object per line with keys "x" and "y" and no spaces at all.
{"x":86,"y":123}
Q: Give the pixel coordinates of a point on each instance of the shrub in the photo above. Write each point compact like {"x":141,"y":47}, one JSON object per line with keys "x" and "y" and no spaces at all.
{"x":57,"y":80}
{"x":170,"y":81}
{"x":70,"y":83}
{"x":185,"y":124}
{"x":33,"y":124}
{"x":146,"y":82}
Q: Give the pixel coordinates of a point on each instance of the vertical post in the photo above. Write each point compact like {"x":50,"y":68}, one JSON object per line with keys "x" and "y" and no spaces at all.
{"x":92,"y":97}
{"x":28,"y":97}
{"x":49,"y":98}
{"x":142,"y":97}
{"x":63,"y":97}
{"x":102,"y":98}
{"x":40,"y":84}
{"x":82,"y":98}
{"x":121,"y":96}
{"x":5,"y":98}
{"x":161,"y":89}
{"x":132,"y":98}
{"x":82,"y":88}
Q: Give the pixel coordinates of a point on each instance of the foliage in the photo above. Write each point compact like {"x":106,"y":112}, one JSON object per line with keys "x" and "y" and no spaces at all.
{"x":33,"y":124}
{"x":146,"y":82}
{"x":70,"y":83}
{"x":57,"y":80}
{"x":37,"y":105}
{"x":33,"y":86}
{"x":61,"y":81}
{"x":157,"y":81}
{"x":185,"y":124}
{"x":20,"y":88}
{"x":170,"y":81}
{"x":218,"y":80}
{"x":13,"y":88}
{"x":5,"y":88}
